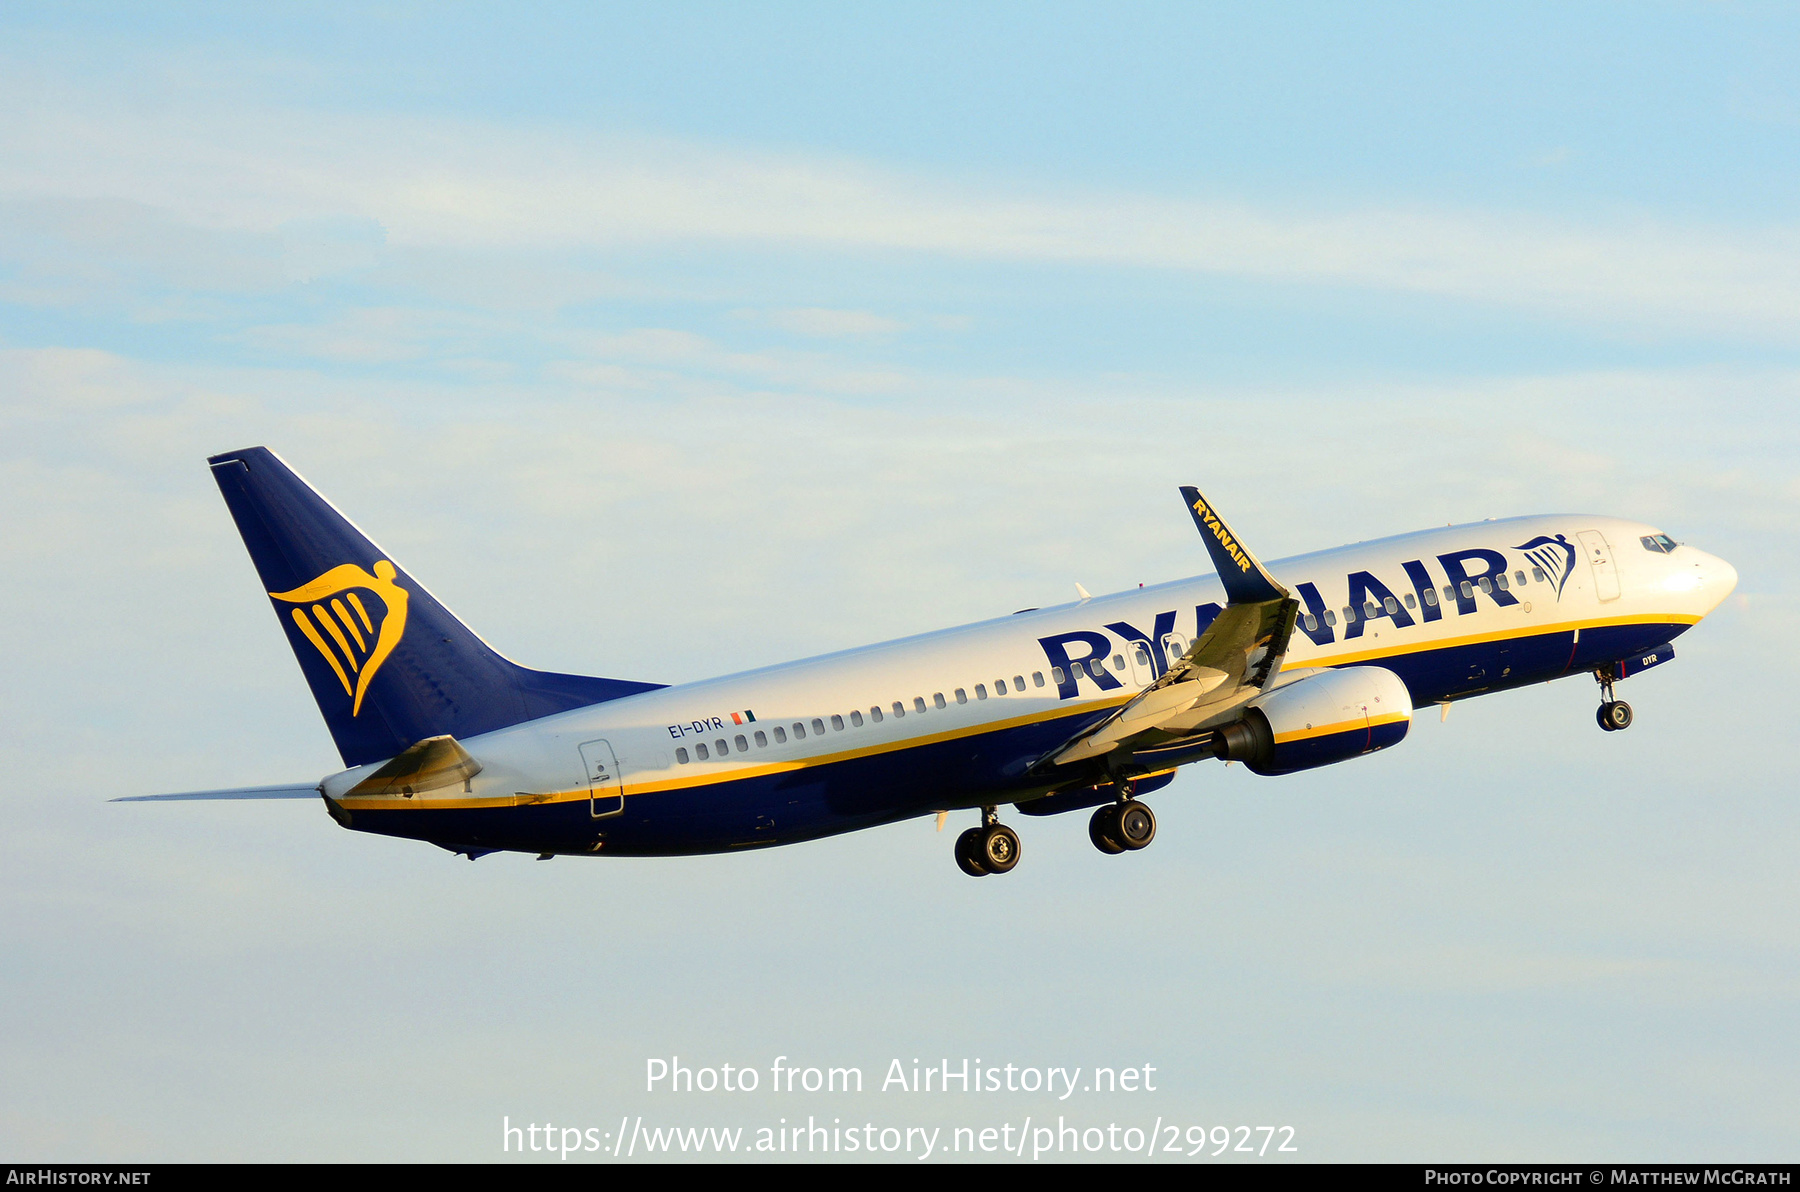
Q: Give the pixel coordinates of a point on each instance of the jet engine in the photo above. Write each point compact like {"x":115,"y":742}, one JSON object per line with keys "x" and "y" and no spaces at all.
{"x":1318,"y":718}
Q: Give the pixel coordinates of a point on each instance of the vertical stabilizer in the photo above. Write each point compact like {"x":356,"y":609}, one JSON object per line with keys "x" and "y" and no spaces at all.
{"x":388,"y":665}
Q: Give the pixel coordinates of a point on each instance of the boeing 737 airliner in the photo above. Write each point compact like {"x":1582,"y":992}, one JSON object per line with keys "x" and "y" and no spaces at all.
{"x":1312,"y":660}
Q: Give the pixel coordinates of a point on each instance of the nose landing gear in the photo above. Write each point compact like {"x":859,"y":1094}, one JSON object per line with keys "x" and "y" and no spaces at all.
{"x":991,"y":848}
{"x":1614,"y":715}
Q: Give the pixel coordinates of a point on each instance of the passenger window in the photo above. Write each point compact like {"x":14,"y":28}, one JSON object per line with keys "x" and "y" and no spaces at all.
{"x":720,"y":746}
{"x":781,"y":736}
{"x":799,"y":731}
{"x":875,"y":715}
{"x":1037,"y":678}
{"x":1056,"y":672}
{"x":981,"y":691}
{"x":1118,"y":662}
{"x":1468,"y":590}
{"x":837,"y":724}
{"x":762,"y":739}
{"x":1519,"y":578}
{"x":1409,"y":601}
{"x":962,"y":697}
{"x":1330,"y":617}
{"x":1311,"y":622}
{"x":1019,"y":682}
{"x":1097,"y":668}
{"x":1143,"y":654}
{"x":1486,"y":586}
{"x":700,"y":752}
{"x":1349,"y":615}
{"x":1501,"y":580}
{"x":919,"y":703}
{"x":1537,"y":573}
{"x":819,"y":726}
{"x":681,"y":755}
{"x":937,"y":699}
{"x":899,"y":710}
{"x":856,"y":719}
{"x":743,"y":745}
{"x":1431,"y":598}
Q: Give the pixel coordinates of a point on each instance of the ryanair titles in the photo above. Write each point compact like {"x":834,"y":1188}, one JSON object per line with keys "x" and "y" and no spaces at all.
{"x":1463,"y":581}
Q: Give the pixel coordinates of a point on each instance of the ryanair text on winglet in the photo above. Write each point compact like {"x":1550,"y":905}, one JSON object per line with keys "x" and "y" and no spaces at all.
{"x":1211,"y":521}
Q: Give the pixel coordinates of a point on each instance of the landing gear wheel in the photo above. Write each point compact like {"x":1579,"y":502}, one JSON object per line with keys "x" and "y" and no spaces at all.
{"x":1614,"y":715}
{"x":968,"y":853}
{"x":1103,"y":829}
{"x":999,"y":848}
{"x":1136,"y":825}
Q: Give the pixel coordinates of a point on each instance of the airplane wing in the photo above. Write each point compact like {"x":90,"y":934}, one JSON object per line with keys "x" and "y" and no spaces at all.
{"x":1231,"y":661}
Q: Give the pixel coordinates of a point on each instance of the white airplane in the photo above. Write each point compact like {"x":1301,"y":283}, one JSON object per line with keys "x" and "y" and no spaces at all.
{"x":1086,"y":705}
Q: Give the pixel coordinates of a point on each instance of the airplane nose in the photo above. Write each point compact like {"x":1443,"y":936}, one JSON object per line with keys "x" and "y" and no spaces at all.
{"x":1723,"y":575}
{"x":1716,"y":578}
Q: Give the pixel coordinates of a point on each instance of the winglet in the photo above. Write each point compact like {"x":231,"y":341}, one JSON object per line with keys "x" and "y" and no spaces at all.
{"x":1245,"y":580}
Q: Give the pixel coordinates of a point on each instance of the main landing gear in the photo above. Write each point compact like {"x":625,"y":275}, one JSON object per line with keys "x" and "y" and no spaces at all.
{"x":1125,"y":826}
{"x":1613,"y":714}
{"x":991,"y":848}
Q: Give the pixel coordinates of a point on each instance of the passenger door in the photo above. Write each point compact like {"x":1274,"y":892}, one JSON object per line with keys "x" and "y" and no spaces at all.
{"x":1599,"y":557}
{"x":606,"y":793}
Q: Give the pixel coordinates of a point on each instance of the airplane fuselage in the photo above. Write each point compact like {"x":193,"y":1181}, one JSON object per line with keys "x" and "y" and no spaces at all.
{"x":964,"y":718}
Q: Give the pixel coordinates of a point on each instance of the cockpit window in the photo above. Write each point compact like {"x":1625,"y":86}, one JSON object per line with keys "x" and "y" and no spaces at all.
{"x":1662,"y":544}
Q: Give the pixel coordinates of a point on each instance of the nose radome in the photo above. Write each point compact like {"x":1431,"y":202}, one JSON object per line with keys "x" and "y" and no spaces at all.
{"x":1717,"y":577}
{"x":1723,"y":574}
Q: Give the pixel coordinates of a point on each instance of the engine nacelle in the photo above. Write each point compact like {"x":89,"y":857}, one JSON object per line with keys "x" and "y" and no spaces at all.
{"x":1317,"y":719}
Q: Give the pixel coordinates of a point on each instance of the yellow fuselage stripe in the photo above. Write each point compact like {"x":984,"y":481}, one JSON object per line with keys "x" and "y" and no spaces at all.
{"x":1068,"y":710}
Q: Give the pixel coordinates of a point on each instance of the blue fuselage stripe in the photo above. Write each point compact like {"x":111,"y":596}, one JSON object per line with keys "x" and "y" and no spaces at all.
{"x":864,"y":791}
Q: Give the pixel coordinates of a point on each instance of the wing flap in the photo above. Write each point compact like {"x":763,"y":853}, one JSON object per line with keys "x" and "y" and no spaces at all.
{"x":1233,"y":660}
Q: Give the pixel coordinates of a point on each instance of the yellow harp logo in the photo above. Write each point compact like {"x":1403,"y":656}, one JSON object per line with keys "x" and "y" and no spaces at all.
{"x":332,"y":611}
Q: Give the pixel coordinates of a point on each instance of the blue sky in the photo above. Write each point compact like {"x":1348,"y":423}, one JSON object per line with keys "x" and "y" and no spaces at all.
{"x":669,"y":342}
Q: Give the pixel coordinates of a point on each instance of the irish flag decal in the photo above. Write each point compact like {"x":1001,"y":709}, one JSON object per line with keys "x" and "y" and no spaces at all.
{"x":744,"y":717}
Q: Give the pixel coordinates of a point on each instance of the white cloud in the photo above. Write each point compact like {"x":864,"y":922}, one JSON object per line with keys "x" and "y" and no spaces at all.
{"x":824,"y":323}
{"x":441,"y":184}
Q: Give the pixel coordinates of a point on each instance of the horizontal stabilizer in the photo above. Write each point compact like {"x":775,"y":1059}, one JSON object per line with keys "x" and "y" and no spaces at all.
{"x":235,"y":792}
